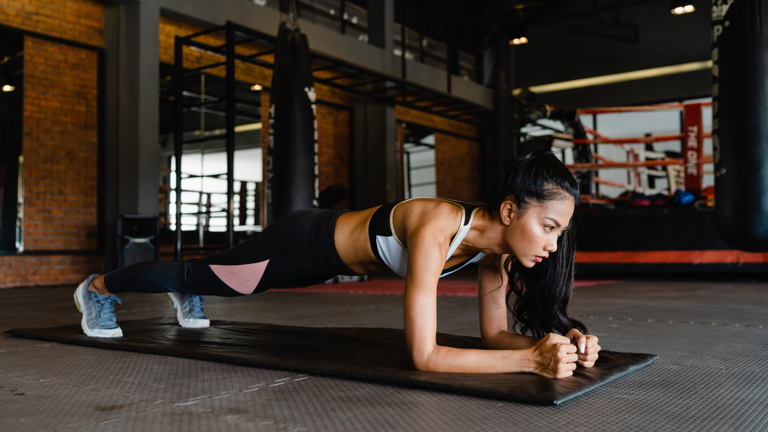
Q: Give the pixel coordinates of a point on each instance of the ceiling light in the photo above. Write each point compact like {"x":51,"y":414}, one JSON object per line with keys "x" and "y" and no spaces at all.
{"x":619,"y":77}
{"x":8,"y":88}
{"x":680,"y":7}
{"x":518,"y":36}
{"x":256,"y":87}
{"x":248,"y":127}
{"x":680,"y":10}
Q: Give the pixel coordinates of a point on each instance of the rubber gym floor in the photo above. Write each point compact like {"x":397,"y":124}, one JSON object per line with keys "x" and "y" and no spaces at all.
{"x":712,"y":373}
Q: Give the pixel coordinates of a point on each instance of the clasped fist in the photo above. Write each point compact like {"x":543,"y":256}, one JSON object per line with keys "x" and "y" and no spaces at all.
{"x":587,"y":347}
{"x":556,"y":356}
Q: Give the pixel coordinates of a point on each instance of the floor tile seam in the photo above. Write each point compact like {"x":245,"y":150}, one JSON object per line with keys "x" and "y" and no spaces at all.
{"x":674,"y":298}
{"x":242,"y":390}
{"x":131,"y":395}
{"x":684,"y":302}
{"x":593,"y":313}
{"x":8,"y":350}
{"x":630,"y":306}
{"x":665,"y":321}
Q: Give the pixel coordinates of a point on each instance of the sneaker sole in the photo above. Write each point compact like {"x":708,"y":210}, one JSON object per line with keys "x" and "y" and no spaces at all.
{"x":191,"y":323}
{"x":79,"y":301}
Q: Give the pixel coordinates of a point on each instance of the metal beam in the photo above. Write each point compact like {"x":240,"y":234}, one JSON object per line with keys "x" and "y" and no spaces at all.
{"x":178,"y":135}
{"x":230,"y":126}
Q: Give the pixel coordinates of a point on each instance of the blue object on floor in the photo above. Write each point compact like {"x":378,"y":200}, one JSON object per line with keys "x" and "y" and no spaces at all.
{"x":683,"y":198}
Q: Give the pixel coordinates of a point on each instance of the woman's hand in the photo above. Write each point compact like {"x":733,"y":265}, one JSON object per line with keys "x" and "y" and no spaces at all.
{"x":587,"y":347}
{"x":554,"y":356}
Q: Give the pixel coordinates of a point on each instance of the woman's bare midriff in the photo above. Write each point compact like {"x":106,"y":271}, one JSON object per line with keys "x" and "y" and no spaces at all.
{"x":353,"y":244}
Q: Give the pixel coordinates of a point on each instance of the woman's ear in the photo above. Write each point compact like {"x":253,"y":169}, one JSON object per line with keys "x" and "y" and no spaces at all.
{"x":508,"y":211}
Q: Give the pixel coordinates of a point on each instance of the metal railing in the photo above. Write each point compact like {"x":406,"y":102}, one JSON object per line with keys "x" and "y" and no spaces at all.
{"x":208,"y":209}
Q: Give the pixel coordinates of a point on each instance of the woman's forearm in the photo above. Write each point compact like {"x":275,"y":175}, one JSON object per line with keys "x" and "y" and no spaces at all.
{"x":456,"y":360}
{"x":506,"y":340}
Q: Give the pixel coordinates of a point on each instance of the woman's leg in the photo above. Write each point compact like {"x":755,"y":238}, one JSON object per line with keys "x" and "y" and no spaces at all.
{"x":190,"y":277}
{"x":236,"y":271}
{"x":297,"y":250}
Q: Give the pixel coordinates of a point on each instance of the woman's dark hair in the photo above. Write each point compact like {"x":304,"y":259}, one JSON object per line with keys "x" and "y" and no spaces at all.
{"x":543,"y":291}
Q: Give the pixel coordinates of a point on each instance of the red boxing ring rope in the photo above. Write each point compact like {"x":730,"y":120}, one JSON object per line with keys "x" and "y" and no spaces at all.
{"x":636,"y":164}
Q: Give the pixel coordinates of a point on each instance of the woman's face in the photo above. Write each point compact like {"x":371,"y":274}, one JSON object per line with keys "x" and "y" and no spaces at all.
{"x":532,"y":235}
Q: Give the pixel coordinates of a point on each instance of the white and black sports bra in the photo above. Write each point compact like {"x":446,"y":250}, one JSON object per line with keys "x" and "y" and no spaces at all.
{"x":390,"y":251}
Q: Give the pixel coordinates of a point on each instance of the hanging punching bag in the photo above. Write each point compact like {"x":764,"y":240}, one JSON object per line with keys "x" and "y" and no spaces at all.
{"x":291,"y":182}
{"x":740,"y":121}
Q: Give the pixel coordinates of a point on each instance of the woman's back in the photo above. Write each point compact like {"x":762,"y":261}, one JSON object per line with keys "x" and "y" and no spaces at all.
{"x":355,"y":236}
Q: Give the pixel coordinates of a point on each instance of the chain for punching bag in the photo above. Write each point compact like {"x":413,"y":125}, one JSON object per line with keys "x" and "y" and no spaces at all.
{"x":740,"y":121}
{"x":292,"y":182}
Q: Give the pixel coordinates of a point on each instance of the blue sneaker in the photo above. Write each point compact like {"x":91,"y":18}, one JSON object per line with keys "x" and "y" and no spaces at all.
{"x":189,"y":310}
{"x":98,"y":311}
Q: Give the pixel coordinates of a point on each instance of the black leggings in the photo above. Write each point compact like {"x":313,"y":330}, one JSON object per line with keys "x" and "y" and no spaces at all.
{"x":295,"y":251}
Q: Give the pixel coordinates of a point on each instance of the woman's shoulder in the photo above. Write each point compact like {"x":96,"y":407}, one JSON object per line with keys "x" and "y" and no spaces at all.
{"x":431,"y":210}
{"x":429,"y":217}
{"x":438,"y":203}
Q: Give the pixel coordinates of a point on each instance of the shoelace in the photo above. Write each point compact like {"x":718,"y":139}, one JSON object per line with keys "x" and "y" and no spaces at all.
{"x":105,"y":308}
{"x":196,"y":305}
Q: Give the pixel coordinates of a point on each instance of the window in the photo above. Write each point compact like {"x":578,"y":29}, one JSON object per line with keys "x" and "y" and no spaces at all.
{"x":11,"y":128}
{"x":419,"y":161}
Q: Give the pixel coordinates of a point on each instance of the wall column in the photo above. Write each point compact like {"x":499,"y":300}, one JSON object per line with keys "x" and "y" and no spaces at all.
{"x":131,"y":115}
{"x":374,"y":150}
{"x":499,"y":144}
{"x":374,"y":154}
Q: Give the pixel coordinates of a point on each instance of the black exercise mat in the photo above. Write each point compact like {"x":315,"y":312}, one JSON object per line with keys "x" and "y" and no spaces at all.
{"x":366,"y":354}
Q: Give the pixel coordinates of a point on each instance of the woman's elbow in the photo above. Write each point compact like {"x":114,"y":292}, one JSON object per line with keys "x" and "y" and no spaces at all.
{"x":423,"y":361}
{"x":420,"y":363}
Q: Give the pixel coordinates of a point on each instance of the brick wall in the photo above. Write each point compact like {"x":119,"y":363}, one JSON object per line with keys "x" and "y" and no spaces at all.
{"x":60,"y":146}
{"x":59,"y":143}
{"x":74,"y":20}
{"x":333,"y":149}
{"x":32,"y":270}
{"x":458,"y":168}
{"x":458,"y":161}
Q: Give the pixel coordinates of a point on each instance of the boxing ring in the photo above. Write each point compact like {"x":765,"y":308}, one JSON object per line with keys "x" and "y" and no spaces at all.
{"x":637,"y":161}
{"x":643,"y":228}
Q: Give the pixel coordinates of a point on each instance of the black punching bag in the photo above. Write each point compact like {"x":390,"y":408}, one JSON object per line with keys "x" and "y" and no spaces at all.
{"x":740,"y":121}
{"x":292,"y":153}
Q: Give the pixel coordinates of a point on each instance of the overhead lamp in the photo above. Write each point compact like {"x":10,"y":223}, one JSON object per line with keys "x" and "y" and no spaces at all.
{"x":8,"y":88}
{"x":680,"y":7}
{"x":518,"y":36}
{"x":256,"y":87}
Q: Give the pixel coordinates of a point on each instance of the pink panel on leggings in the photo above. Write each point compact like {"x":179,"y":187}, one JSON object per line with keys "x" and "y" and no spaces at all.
{"x":242,"y":278}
